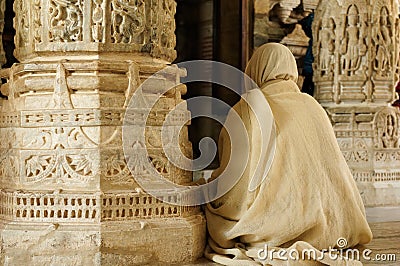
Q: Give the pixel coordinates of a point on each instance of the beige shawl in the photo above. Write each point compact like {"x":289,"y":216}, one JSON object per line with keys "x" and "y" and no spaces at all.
{"x":307,"y":201}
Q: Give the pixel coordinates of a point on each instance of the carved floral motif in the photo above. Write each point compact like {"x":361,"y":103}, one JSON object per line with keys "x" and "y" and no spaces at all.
{"x":354,"y":153}
{"x":168,"y":39}
{"x":116,"y":171}
{"x":65,"y":20}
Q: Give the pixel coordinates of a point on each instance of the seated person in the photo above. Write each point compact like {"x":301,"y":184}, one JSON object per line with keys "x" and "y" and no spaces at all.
{"x":307,"y":200}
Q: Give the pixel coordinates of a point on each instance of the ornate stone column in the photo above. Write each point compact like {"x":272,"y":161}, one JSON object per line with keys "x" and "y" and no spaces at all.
{"x":67,"y":196}
{"x":356,"y":68}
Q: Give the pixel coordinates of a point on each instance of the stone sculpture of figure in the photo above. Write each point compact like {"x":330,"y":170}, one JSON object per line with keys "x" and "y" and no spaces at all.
{"x":397,"y":58}
{"x":351,"y":47}
{"x":383,"y":44}
{"x":327,"y":46}
{"x":307,"y":200}
{"x":389,"y":135}
{"x":127,"y":20}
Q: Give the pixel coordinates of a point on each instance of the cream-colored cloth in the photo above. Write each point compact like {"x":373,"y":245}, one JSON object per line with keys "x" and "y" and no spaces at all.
{"x":308,"y":200}
{"x":272,"y":63}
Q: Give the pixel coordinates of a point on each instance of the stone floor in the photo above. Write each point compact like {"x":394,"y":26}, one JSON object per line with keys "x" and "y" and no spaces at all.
{"x":386,"y":243}
{"x":385,"y":226}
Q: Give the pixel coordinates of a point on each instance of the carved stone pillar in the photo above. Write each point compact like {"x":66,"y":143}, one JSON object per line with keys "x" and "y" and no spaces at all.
{"x":356,"y":68}
{"x":67,"y":195}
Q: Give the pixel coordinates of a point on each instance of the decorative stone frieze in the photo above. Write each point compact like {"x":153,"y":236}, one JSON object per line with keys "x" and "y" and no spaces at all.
{"x":95,"y":27}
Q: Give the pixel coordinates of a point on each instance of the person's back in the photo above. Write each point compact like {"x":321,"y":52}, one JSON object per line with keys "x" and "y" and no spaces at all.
{"x":308,"y":199}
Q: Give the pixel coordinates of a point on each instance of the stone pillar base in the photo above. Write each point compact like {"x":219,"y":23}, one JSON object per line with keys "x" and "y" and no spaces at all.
{"x":385,"y":193}
{"x":155,"y":241}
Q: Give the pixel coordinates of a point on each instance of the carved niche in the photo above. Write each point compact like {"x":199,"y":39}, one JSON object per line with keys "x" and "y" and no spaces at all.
{"x":386,"y":127}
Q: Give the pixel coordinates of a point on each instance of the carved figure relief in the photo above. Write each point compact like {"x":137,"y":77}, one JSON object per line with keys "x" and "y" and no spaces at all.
{"x":326,"y":43}
{"x":66,"y":20}
{"x":387,"y":129}
{"x":390,"y":136}
{"x":8,"y":160}
{"x":365,"y":54}
{"x":9,"y":166}
{"x":71,"y":26}
{"x":128,"y":21}
{"x":397,"y":51}
{"x":98,"y":21}
{"x":362,"y":87}
{"x":383,"y":44}
{"x":353,"y":47}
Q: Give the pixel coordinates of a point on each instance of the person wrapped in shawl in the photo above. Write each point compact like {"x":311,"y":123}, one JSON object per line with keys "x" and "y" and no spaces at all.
{"x":308,"y":198}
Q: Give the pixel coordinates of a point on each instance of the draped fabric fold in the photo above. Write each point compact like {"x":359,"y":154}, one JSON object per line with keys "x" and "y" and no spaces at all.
{"x":307,"y":201}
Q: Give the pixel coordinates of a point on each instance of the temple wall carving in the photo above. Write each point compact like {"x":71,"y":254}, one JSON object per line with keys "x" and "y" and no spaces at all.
{"x":355,"y":72}
{"x":361,"y":46}
{"x":64,"y":177}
